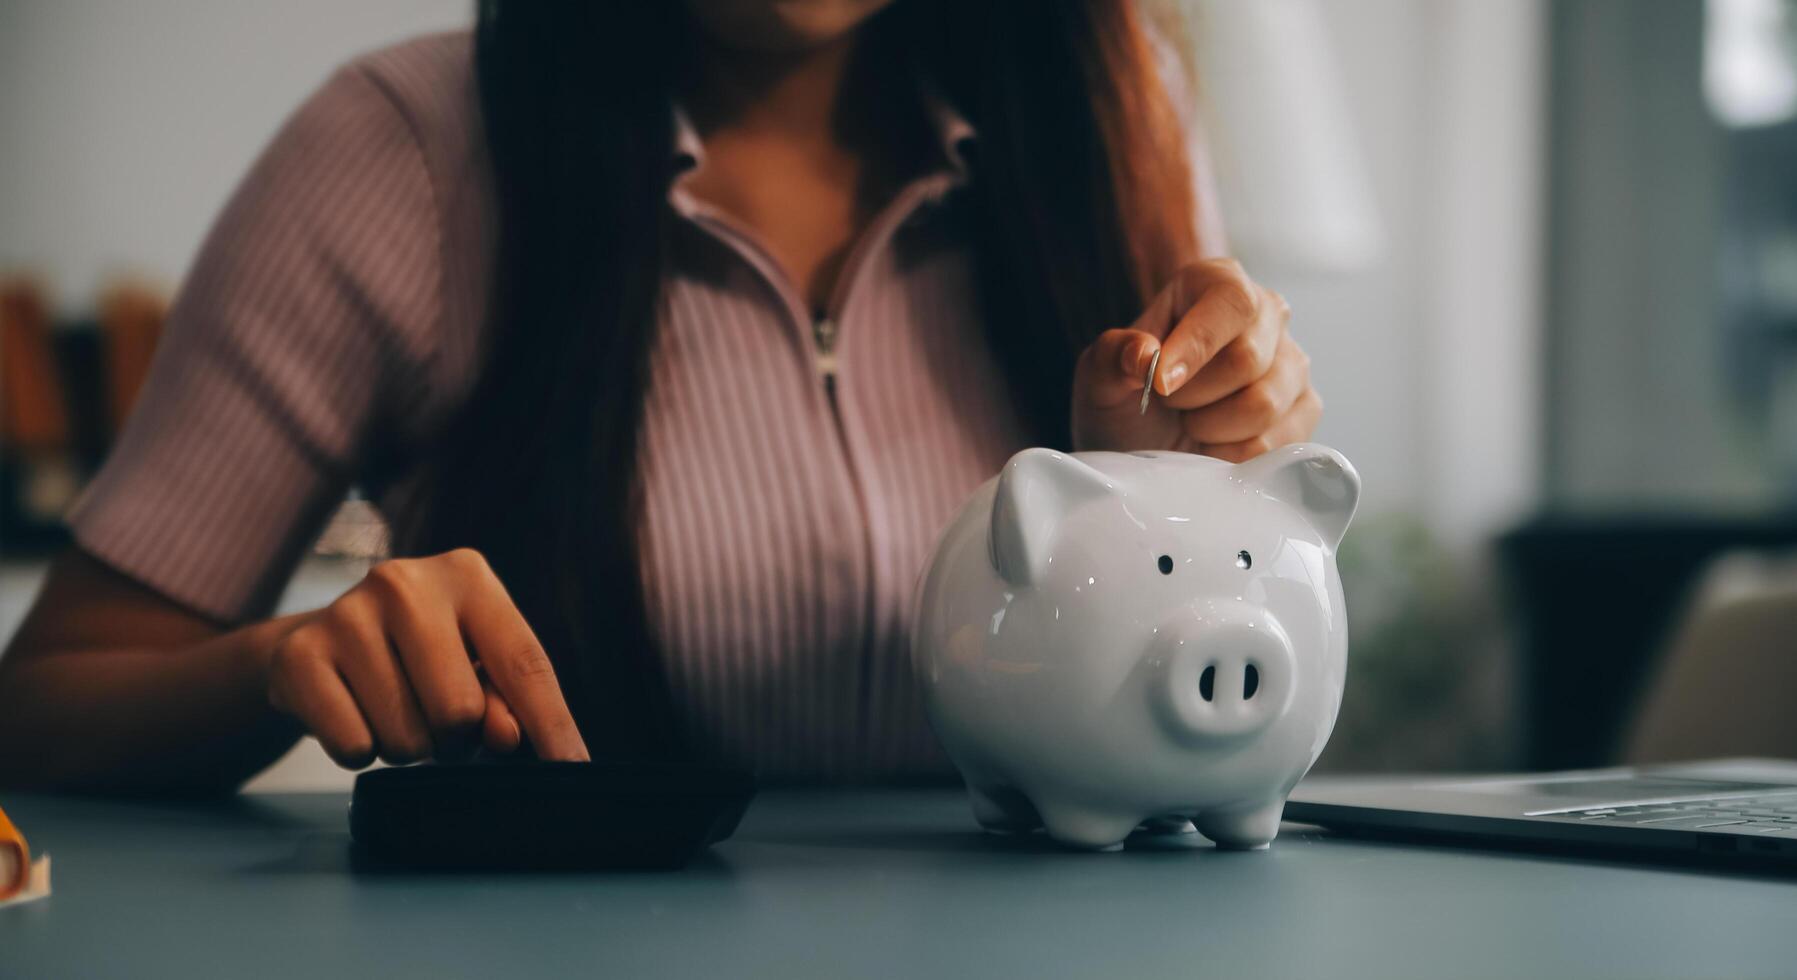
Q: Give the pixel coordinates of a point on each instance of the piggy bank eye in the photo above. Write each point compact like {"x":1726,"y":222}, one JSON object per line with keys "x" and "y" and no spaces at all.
{"x":1244,"y":560}
{"x":1165,"y":564}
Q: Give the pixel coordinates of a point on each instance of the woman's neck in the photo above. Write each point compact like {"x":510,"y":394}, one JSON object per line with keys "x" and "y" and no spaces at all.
{"x":794,"y":96}
{"x":792,"y":150}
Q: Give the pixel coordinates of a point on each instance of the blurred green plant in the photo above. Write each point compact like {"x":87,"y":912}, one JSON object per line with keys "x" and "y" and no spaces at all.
{"x":1429,"y":665}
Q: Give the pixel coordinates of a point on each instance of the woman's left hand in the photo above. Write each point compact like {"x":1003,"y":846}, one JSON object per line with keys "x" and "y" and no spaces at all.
{"x":1231,"y":382}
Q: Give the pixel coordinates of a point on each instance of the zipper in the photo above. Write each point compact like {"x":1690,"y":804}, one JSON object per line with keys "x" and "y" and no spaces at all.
{"x":823,"y":332}
{"x":824,"y":336}
{"x":825,"y":325}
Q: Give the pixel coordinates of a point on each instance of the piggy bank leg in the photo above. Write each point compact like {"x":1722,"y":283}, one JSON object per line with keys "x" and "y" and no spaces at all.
{"x":1168,"y":826}
{"x":1243,"y":829}
{"x":1002,"y":810}
{"x":1095,"y":830}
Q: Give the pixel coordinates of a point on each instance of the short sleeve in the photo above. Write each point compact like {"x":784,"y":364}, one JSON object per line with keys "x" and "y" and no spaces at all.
{"x":309,"y":308}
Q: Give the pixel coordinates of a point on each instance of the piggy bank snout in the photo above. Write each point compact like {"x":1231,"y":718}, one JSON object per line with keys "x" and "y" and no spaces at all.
{"x":1227,"y":671}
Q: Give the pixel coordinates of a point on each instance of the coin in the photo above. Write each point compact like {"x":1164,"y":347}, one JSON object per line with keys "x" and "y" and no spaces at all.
{"x":1148,"y":383}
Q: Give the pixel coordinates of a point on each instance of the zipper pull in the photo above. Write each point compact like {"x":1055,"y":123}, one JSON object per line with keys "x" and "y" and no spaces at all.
{"x":823,"y":329}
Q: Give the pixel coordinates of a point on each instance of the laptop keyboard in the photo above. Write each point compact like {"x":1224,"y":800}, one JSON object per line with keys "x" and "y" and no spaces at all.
{"x":1771,"y":815}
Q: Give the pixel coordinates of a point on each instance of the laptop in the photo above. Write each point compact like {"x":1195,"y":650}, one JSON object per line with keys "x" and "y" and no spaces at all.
{"x":1730,"y":810}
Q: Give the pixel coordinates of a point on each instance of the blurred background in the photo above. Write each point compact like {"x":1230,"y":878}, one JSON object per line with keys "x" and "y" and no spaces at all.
{"x":1543,"y":254}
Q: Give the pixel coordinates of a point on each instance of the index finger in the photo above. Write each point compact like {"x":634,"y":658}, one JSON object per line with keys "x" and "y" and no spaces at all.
{"x":1225,"y":304}
{"x":517,"y":665}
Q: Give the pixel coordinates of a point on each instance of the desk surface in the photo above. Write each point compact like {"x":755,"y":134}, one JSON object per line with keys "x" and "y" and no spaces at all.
{"x":862,"y":884}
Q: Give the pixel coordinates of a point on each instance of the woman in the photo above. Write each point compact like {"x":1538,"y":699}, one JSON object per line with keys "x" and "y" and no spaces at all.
{"x":666,"y":337}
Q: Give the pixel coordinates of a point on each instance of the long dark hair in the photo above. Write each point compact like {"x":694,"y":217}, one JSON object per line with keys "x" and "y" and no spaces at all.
{"x":1081,"y":204}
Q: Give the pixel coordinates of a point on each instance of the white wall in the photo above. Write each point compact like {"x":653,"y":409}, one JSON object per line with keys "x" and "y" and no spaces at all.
{"x":1361,"y":327}
{"x":1483,"y":261}
{"x":1428,"y":357}
{"x":124,"y":125}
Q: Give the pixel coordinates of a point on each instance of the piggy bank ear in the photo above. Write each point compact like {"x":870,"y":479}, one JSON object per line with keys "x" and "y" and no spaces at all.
{"x":1315,"y":479}
{"x":1036,"y":488}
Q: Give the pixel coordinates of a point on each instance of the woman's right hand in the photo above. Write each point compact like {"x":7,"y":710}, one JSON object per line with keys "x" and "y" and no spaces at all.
{"x":426,"y":658}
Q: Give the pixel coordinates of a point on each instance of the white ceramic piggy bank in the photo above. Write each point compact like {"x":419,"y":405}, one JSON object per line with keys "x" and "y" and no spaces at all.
{"x":1107,"y":640}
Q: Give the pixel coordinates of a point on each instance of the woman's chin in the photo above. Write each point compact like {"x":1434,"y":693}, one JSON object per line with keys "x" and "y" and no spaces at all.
{"x":781,"y":26}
